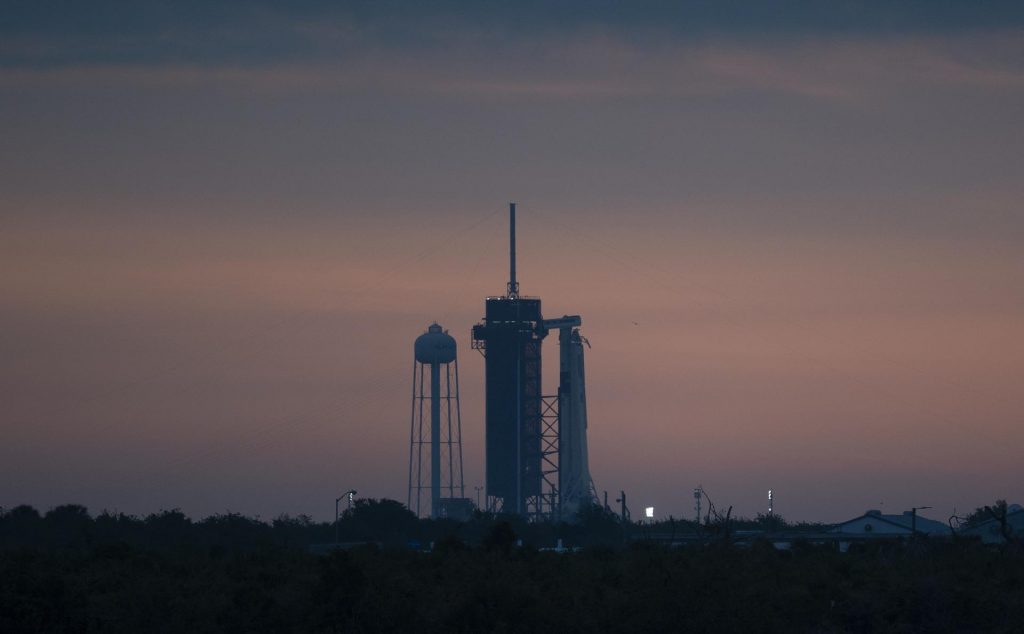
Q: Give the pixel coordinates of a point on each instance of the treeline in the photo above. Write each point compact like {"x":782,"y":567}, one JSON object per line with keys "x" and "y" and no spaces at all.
{"x":384,"y":522}
{"x":67,"y":571}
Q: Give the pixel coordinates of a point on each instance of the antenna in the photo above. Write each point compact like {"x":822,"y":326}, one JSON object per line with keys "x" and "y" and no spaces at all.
{"x":513,"y":285}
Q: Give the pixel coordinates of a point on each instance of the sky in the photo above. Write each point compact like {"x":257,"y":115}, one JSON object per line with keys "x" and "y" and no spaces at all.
{"x":792,"y":231}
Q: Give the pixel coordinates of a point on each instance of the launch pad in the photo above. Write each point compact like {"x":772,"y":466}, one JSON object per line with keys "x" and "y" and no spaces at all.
{"x":536,"y":448}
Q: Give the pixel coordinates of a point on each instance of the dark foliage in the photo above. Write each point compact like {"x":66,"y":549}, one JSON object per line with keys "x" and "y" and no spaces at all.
{"x":68,"y":572}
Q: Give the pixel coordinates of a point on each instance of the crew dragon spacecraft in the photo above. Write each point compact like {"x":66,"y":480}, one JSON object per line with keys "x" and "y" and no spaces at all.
{"x":536,"y":445}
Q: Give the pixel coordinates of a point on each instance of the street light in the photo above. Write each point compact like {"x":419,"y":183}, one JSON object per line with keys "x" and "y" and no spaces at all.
{"x":347,"y":494}
{"x":478,"y":489}
{"x":913,"y":517}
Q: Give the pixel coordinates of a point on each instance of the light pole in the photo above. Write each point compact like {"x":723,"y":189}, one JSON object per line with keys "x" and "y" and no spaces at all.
{"x":913,"y":518}
{"x":348,"y":494}
{"x":478,"y":489}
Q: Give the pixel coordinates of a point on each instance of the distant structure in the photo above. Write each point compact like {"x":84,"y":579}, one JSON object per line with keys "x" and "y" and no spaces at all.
{"x":440,"y":430}
{"x":536,"y":444}
{"x":907,"y":523}
{"x":992,"y":531}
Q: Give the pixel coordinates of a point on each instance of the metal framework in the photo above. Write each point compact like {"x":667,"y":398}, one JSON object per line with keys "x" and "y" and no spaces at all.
{"x":546,"y":505}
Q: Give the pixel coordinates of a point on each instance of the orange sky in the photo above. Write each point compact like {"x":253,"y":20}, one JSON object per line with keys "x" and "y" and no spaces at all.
{"x":797,"y":259}
{"x":259,"y":370}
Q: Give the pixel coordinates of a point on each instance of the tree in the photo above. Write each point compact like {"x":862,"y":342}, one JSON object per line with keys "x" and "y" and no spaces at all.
{"x":999,"y":513}
{"x":598,"y":525}
{"x":501,"y":538}
{"x":383,"y":520}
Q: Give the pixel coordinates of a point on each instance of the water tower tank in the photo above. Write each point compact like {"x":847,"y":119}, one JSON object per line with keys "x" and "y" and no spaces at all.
{"x":434,"y":346}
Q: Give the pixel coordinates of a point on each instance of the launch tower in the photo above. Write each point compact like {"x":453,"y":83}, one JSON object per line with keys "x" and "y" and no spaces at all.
{"x":536,"y":450}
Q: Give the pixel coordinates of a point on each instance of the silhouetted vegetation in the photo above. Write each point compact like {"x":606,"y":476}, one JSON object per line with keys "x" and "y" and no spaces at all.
{"x":69,"y":571}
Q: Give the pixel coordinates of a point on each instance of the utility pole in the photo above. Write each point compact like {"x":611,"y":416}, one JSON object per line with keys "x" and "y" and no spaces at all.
{"x":337,"y":527}
{"x":622,"y":506}
{"x":913,"y":518}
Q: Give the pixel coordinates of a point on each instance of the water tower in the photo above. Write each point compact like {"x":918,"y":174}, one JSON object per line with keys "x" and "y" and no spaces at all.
{"x":436,"y":423}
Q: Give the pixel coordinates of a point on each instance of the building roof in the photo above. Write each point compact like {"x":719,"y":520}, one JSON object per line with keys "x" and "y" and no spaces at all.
{"x":902,"y":523}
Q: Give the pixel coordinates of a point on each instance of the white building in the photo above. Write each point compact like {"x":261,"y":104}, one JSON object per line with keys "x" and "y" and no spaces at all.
{"x":875,"y":523}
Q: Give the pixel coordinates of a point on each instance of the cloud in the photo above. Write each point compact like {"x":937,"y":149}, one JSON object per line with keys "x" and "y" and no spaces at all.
{"x":69,"y":33}
{"x":597,"y":64}
{"x":834,"y":51}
